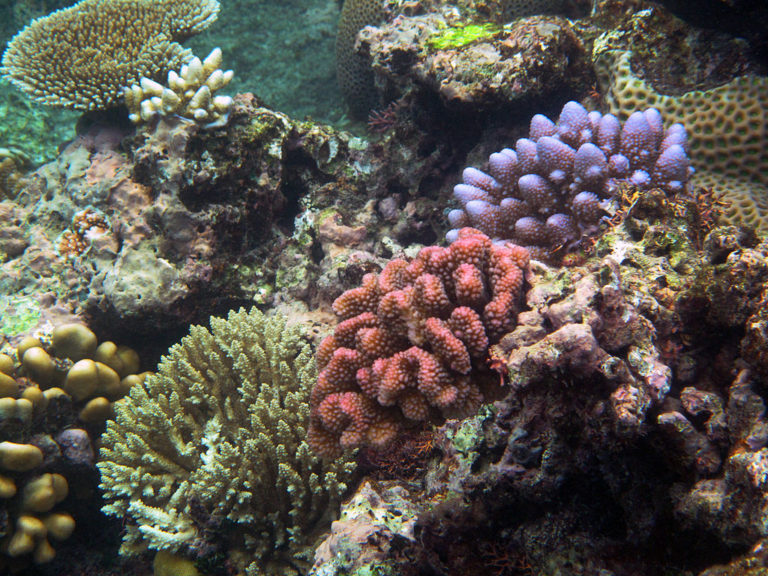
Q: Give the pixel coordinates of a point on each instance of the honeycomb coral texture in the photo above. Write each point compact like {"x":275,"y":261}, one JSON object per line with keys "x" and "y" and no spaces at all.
{"x":554,"y":185}
{"x":410,"y":339}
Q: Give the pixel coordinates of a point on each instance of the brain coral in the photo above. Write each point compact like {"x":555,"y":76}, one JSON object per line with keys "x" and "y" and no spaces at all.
{"x":83,"y":56}
{"x":553,"y":186}
{"x":412,"y":342}
{"x":352,"y":69}
{"x":727,"y":124}
{"x":219,"y":431}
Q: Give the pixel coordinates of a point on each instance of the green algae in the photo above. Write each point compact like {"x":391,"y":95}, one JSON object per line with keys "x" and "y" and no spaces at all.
{"x":454,"y":37}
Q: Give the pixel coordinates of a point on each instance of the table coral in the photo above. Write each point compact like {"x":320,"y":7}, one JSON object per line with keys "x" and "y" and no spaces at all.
{"x":82,"y":57}
{"x":554,"y":186}
{"x":412,"y":342}
{"x":217,"y":436}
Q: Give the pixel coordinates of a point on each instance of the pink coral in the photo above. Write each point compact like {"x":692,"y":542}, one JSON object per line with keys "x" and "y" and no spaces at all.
{"x":412,"y":341}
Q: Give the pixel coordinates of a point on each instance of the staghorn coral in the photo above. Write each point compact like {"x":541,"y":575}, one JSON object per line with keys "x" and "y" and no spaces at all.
{"x":553,"y":187}
{"x":219,"y":430}
{"x":188,"y":94}
{"x":82,"y":57}
{"x":412,"y":342}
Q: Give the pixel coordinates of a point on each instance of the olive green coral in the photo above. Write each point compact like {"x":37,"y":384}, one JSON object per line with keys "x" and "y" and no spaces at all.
{"x":83,"y":56}
{"x":220,"y":427}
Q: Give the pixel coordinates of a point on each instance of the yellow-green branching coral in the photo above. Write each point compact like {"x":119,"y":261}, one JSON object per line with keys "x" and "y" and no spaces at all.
{"x":220,"y":428}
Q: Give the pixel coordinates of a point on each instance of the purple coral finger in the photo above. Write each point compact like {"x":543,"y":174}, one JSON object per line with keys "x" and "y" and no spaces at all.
{"x":541,"y":126}
{"x":671,"y":170}
{"x":618,"y":166}
{"x":573,"y":126}
{"x":555,"y":158}
{"x":512,"y":209}
{"x":676,"y":134}
{"x":637,"y":140}
{"x":526,"y":155}
{"x":480,"y":179}
{"x":561,"y":228}
{"x":458,"y":218}
{"x":530,"y":230}
{"x":484,"y":216}
{"x":656,"y":124}
{"x":608,"y":134}
{"x":587,"y":207}
{"x":465,"y":193}
{"x":589,"y":163}
{"x":537,"y":192}
{"x":503,"y":167}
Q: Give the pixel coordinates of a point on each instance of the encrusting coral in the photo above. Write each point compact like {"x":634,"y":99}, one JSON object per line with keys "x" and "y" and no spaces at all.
{"x":554,"y":186}
{"x":83,"y":56}
{"x":188,"y":94}
{"x":218,"y":433}
{"x":413,"y":340}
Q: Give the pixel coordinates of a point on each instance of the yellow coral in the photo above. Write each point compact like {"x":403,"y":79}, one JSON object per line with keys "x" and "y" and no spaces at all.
{"x":83,"y":56}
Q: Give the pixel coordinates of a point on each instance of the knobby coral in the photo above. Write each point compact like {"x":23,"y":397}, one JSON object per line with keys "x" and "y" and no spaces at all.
{"x":219,"y":432}
{"x":553,"y":187}
{"x":188,"y":94}
{"x":412,"y":342}
{"x":83,"y":56}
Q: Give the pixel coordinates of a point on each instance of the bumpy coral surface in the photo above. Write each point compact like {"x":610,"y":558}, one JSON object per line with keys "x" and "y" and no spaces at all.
{"x":218,"y":435}
{"x":412,"y":341}
{"x":188,"y":94}
{"x":553,"y":186}
{"x":82,"y":57}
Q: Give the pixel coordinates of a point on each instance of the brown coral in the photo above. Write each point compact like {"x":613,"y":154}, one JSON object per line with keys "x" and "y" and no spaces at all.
{"x":83,"y":56}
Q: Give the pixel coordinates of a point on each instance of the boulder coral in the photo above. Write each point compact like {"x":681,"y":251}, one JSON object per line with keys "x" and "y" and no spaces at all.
{"x":412,"y":342}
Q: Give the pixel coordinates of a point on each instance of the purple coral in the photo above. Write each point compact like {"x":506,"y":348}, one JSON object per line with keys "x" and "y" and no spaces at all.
{"x":555,"y":185}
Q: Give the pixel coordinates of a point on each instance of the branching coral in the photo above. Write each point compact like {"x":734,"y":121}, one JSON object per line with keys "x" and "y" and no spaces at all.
{"x":220,"y":428}
{"x":412,"y":342}
{"x":554,"y":185}
{"x":188,"y":94}
{"x":82,"y":57}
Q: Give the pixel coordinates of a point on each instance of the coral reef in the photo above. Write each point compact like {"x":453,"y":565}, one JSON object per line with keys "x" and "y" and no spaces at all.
{"x":216,"y":438}
{"x":627,"y":423}
{"x":55,"y":394}
{"x":412,"y":342}
{"x":84,"y":56}
{"x":188,"y":94}
{"x":554,"y":186}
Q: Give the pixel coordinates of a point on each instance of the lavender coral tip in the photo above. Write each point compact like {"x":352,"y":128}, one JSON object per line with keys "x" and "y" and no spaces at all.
{"x":554,"y":187}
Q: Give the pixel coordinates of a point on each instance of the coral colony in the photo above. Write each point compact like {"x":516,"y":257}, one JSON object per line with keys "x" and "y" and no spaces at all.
{"x":409,"y":339}
{"x":555,"y":185}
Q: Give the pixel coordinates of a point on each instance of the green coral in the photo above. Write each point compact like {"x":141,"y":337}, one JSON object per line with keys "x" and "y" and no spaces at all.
{"x":220,"y":428}
{"x":454,"y":37}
